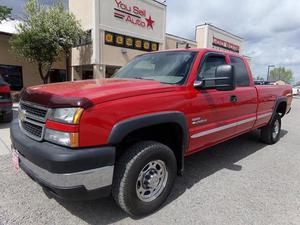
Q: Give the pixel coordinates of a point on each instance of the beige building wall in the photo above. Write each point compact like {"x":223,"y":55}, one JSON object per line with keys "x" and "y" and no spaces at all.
{"x":83,"y":11}
{"x":30,"y":73}
{"x":206,"y":32}
{"x":173,"y":42}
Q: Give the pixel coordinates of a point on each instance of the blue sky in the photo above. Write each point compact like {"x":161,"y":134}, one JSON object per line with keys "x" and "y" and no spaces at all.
{"x":271,"y":28}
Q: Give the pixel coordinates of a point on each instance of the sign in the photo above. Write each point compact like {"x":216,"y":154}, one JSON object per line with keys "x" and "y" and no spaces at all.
{"x":133,"y":14}
{"x":226,"y":45}
{"x":124,"y":41}
{"x":143,"y":19}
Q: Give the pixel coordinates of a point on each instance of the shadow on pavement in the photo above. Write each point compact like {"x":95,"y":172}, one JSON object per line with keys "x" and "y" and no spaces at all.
{"x":197,"y":167}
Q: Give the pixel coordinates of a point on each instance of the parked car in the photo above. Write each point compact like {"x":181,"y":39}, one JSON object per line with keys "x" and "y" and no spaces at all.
{"x":296,"y":90}
{"x":6,"y":113}
{"x":128,"y":136}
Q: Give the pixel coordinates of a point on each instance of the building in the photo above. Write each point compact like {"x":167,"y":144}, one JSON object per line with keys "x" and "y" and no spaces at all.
{"x":118,"y":31}
{"x":17,"y":72}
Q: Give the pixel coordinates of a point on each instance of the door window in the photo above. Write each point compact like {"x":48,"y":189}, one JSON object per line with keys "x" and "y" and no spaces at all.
{"x":241,"y":73}
{"x":208,"y":68}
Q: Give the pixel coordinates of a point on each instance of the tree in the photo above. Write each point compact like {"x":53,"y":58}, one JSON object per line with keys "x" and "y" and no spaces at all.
{"x":5,"y":12}
{"x":260,"y":78}
{"x":67,"y":30}
{"x":46,"y":33}
{"x":283,"y":74}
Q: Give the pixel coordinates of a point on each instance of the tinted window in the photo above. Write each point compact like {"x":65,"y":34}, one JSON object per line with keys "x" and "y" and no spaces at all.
{"x":13,"y":76}
{"x":241,"y":73}
{"x":208,"y":68}
{"x":166,"y":67}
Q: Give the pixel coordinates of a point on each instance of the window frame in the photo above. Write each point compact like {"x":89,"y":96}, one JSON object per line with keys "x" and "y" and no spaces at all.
{"x":203,"y":60}
{"x":246,"y":68}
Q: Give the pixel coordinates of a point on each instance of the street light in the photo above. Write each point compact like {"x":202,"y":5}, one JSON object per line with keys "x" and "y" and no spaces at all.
{"x":268,"y":75}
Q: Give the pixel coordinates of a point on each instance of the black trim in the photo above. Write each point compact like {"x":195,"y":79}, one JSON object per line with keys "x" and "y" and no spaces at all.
{"x":279,"y":100}
{"x":123,"y":128}
{"x":57,"y":159}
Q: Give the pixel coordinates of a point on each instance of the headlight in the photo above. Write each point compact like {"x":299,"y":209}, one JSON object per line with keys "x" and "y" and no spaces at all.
{"x":66,"y":115}
{"x":62,"y":138}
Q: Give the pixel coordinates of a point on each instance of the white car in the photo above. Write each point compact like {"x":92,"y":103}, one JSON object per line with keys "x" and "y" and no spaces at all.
{"x":296,"y":90}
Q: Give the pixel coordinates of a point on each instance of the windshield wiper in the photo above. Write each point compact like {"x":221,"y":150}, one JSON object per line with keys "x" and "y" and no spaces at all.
{"x":142,"y":78}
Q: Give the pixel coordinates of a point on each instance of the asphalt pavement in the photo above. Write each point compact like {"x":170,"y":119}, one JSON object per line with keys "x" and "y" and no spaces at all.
{"x":242,"y":181}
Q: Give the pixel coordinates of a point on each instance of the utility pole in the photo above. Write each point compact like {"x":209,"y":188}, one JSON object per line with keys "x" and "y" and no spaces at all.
{"x":268,"y":75}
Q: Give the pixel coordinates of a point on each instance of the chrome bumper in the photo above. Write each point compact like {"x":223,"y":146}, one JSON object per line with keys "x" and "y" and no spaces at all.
{"x":90,"y":179}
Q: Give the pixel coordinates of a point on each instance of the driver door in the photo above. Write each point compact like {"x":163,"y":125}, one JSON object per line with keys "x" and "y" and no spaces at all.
{"x":213,"y":111}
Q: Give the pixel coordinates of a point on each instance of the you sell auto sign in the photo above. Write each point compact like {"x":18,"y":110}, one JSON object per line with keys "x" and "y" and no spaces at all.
{"x":145,"y":19}
{"x":133,"y":14}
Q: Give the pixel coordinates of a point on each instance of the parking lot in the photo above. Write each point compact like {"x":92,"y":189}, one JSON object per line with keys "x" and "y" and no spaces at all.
{"x":240,"y":182}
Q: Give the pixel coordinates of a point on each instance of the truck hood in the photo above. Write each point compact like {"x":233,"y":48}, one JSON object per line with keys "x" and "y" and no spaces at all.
{"x":91,"y":92}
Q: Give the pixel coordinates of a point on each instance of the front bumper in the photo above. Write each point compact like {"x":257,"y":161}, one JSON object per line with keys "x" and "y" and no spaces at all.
{"x":69,"y":174}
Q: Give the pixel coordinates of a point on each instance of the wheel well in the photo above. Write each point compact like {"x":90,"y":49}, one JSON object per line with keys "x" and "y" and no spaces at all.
{"x":169,"y":134}
{"x":281,"y":109}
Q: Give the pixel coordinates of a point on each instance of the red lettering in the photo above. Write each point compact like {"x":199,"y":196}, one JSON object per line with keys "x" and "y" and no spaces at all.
{"x":123,"y":6}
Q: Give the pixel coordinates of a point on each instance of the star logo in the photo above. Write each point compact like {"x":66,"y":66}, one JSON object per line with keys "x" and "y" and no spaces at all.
{"x":150,"y":22}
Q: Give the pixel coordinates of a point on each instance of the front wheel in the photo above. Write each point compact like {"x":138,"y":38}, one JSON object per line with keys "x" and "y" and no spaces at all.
{"x":144,"y":176}
{"x":270,"y":133}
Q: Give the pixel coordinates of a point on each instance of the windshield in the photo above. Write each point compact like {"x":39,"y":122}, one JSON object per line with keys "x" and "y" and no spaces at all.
{"x":166,"y":67}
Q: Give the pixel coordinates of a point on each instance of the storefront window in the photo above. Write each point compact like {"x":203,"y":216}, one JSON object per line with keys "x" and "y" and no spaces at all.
{"x":57,"y":76}
{"x":13,"y":76}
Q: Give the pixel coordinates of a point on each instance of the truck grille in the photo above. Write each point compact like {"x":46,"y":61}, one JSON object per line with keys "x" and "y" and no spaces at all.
{"x":4,"y":96}
{"x":32,"y":129}
{"x":32,"y":120}
{"x":35,"y":112}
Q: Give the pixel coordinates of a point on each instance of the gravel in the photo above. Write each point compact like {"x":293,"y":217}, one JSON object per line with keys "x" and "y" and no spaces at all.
{"x":241,"y":181}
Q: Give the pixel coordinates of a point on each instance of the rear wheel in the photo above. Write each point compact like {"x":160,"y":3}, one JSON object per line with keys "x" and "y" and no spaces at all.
{"x":144,"y":176}
{"x":270,"y":134}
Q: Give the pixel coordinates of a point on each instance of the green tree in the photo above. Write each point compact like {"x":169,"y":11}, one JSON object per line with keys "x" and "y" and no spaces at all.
{"x":66,"y":29}
{"x":259,"y":78}
{"x":5,"y":12}
{"x":46,"y":33}
{"x":281,"y":73}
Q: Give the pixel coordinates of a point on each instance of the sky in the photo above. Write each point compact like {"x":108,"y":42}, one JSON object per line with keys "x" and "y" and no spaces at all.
{"x":270,"y":28}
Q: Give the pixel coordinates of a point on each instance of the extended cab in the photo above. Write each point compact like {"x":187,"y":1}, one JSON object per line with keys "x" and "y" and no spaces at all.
{"x":128,"y":136}
{"x":6,"y":113}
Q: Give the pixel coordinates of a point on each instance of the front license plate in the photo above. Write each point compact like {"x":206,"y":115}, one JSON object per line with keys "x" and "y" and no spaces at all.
{"x":15,"y":159}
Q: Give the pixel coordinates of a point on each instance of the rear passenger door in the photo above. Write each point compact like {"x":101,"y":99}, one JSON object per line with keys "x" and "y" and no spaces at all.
{"x":245,"y":95}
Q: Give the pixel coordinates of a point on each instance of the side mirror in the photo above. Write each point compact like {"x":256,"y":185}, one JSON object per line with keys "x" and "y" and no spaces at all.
{"x":224,"y":79}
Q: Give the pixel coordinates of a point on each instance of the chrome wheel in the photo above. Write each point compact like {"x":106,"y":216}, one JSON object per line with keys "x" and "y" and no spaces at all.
{"x":152,"y":181}
{"x":276,"y":128}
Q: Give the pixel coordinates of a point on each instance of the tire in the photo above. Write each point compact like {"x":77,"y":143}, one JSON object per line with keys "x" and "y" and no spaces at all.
{"x":134,"y":168}
{"x":270,"y":133}
{"x":7,"y":118}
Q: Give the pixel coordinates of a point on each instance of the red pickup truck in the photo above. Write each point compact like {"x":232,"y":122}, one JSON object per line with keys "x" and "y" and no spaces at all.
{"x":128,"y":135}
{"x":6,"y":113}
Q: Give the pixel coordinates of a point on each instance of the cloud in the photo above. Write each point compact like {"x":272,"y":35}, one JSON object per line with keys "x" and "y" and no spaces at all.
{"x":271,"y":28}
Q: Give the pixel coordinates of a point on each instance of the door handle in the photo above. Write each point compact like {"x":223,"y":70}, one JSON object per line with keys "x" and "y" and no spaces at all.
{"x":233,"y":98}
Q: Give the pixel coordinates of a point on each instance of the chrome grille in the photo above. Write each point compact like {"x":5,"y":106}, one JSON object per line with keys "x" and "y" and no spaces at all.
{"x":32,"y":120}
{"x":35,"y":112}
{"x":35,"y":130}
